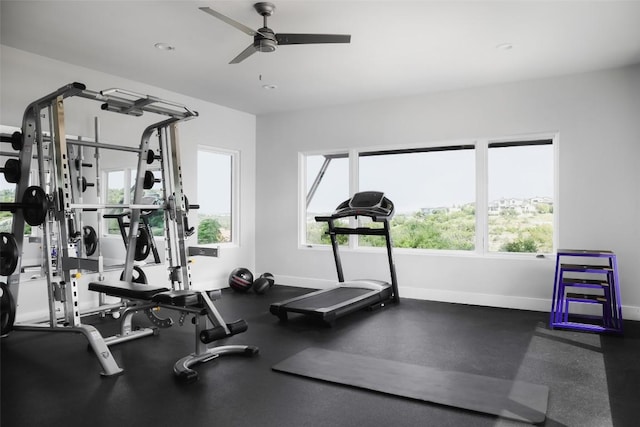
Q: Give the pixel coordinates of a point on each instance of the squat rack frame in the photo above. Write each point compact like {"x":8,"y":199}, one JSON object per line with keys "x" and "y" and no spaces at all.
{"x":62,"y":209}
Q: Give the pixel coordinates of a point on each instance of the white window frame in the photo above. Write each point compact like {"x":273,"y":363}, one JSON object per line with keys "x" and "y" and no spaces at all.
{"x":235,"y":197}
{"x":482,"y":202}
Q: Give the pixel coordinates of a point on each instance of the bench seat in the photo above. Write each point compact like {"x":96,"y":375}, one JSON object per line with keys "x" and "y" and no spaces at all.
{"x":181,"y":298}
{"x":118,"y":288}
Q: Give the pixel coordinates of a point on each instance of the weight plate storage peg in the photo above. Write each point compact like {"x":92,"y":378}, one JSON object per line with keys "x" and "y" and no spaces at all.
{"x":9,"y":254}
{"x":83,"y":184}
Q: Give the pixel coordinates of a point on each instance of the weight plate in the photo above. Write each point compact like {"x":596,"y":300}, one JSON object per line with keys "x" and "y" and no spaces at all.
{"x":137,"y":277}
{"x":16,"y":141}
{"x":7,"y":310}
{"x":143,"y":244}
{"x":12,"y":171}
{"x":9,"y":254}
{"x":36,"y":199}
{"x":149,"y":180}
{"x":90,"y":239}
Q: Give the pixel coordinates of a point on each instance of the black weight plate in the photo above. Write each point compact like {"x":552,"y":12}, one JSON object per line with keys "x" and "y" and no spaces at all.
{"x":7,"y":310}
{"x":16,"y":141}
{"x":36,"y":198}
{"x":138,"y":276}
{"x":90,"y":239}
{"x":149,"y":180}
{"x":9,"y":254}
{"x":143,"y":244}
{"x":12,"y":171}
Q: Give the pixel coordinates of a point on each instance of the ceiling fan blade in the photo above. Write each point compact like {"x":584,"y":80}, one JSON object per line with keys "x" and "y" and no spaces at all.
{"x":230,"y":21}
{"x":312,"y":38}
{"x":250,"y":50}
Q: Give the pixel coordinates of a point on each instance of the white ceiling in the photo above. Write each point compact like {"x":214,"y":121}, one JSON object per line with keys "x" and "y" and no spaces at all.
{"x":397,"y":48}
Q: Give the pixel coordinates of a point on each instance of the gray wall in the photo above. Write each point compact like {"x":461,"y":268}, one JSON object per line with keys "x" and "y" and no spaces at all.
{"x":597,"y":118}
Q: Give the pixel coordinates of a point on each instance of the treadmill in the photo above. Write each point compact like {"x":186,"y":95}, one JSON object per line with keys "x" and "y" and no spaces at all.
{"x":349,"y":296}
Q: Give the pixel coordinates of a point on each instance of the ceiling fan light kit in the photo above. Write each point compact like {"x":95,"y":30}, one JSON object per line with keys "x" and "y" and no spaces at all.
{"x":266,"y":40}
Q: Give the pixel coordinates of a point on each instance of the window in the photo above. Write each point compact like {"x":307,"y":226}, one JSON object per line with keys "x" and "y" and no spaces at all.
{"x":520,"y":209}
{"x":327,"y":185}
{"x":484,"y":196}
{"x":217,"y":195}
{"x":433,"y":190}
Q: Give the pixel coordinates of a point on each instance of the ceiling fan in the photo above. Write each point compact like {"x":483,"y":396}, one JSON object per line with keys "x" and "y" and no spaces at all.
{"x":265,"y":40}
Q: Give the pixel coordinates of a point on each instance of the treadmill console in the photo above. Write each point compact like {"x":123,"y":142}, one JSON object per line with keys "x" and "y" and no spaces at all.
{"x":367,"y":199}
{"x":366,"y":203}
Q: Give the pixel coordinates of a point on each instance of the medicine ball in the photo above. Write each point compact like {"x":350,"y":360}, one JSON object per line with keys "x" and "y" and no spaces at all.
{"x":263,"y":283}
{"x":270,"y":278}
{"x":241,"y":279}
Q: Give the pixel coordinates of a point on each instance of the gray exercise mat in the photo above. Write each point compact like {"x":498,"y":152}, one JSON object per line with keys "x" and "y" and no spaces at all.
{"x":516,"y":400}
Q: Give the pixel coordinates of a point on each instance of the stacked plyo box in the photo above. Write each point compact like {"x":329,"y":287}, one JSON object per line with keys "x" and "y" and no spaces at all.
{"x":586,"y":277}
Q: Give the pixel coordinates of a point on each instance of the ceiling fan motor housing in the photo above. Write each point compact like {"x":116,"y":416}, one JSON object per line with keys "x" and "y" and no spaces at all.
{"x":265,"y":41}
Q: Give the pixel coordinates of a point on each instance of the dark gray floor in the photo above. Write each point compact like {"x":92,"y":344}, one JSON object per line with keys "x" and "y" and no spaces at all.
{"x":52,"y":380}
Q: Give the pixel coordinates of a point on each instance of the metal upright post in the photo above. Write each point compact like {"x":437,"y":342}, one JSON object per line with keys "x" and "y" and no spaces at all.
{"x":180,"y":205}
{"x":64,"y":197}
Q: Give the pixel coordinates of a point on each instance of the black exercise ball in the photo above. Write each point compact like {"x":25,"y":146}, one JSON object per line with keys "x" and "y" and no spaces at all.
{"x":241,"y":279}
{"x":261,"y":285}
{"x":270,"y":278}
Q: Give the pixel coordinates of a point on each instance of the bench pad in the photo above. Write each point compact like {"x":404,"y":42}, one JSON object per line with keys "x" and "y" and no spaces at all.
{"x":118,"y":288}
{"x":182,"y":298}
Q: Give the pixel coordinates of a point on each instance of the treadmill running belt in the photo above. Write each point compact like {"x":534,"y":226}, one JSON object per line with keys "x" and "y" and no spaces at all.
{"x":328,"y":299}
{"x":516,"y":400}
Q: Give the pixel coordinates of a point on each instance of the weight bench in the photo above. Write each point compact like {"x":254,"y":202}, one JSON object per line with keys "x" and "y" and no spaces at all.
{"x":209,"y":324}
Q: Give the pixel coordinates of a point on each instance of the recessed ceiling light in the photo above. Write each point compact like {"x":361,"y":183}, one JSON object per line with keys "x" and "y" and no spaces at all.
{"x":164,"y":46}
{"x":269,"y":87}
{"x":504,"y":46}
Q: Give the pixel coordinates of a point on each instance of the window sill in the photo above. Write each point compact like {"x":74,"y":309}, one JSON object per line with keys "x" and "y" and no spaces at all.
{"x":438,"y":253}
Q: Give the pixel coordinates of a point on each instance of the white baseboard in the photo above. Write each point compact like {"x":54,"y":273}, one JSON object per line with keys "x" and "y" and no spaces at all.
{"x":471,"y":298}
